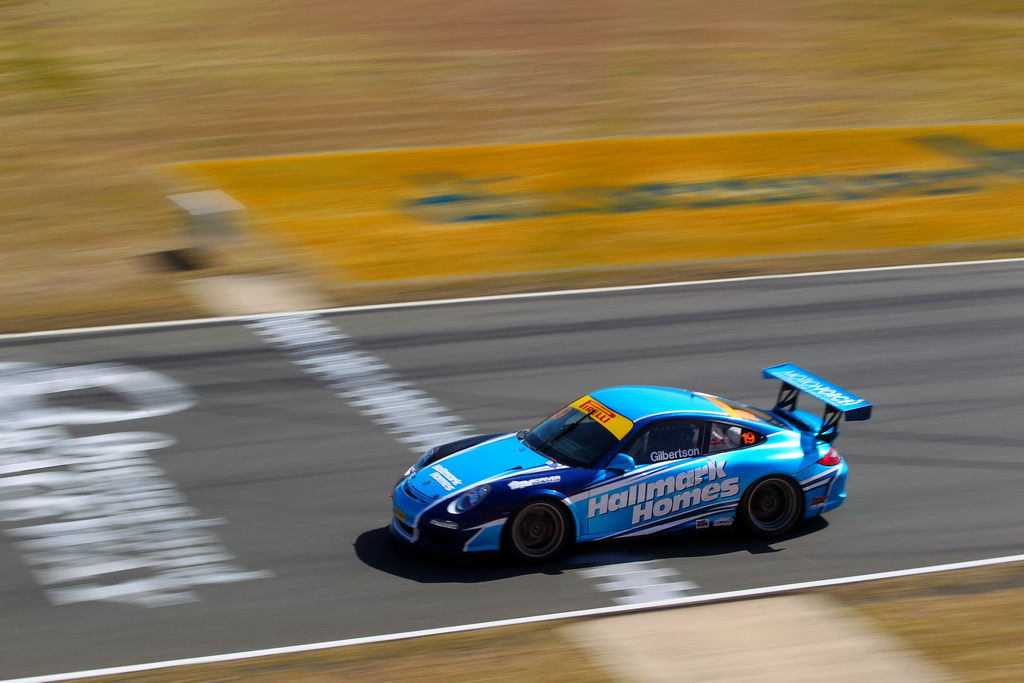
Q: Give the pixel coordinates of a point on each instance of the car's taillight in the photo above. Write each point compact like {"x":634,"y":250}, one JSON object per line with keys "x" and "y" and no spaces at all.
{"x":831,"y":458}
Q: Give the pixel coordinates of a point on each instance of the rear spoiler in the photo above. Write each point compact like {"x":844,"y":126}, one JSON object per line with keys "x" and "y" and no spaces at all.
{"x":838,"y":401}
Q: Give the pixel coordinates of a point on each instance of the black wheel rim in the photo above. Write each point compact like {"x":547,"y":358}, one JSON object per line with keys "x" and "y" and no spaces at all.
{"x":772,"y":505}
{"x":538,"y":530}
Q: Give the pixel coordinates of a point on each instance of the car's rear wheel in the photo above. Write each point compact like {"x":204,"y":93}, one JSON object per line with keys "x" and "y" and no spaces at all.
{"x":770,"y":507}
{"x":537,"y":531}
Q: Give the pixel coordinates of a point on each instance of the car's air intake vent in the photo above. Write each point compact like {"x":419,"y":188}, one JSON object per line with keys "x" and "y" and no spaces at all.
{"x":414,"y":494}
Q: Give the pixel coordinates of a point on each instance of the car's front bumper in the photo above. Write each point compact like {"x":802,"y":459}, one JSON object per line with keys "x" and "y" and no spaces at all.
{"x":411,"y":525}
{"x":439,"y":541}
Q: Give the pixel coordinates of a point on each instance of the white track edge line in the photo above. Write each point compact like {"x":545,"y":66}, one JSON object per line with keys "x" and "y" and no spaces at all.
{"x":189,"y":322}
{"x":595,"y":612}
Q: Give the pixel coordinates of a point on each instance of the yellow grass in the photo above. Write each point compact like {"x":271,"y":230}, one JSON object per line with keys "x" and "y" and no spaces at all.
{"x":363,"y":217}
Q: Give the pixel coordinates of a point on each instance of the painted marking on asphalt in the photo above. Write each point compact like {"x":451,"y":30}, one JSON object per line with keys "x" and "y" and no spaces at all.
{"x":638,"y":582}
{"x":93,"y":517}
{"x":367,"y":383}
{"x":600,"y":611}
{"x":193,"y":322}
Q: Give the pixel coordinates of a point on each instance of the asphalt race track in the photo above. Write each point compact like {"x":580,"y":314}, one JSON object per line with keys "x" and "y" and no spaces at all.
{"x":292,"y":479}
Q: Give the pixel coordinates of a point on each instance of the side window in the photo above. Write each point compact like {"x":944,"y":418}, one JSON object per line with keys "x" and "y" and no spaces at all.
{"x":666,"y":440}
{"x":728,"y":437}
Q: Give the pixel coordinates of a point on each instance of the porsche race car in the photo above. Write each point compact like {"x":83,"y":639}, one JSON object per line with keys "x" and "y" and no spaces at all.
{"x":632,"y":461}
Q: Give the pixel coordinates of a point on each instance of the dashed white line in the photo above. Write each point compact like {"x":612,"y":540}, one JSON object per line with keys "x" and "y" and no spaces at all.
{"x":638,"y":582}
{"x":364,"y":381}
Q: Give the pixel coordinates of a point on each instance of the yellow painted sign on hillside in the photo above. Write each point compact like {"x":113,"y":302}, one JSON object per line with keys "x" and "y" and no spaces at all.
{"x":442,"y":213}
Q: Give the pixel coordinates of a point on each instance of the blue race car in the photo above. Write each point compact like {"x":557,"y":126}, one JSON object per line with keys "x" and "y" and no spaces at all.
{"x":632,"y":461}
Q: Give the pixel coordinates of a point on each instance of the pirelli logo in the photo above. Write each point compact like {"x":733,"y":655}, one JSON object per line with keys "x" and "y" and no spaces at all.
{"x":597,"y":411}
{"x":612,"y":421}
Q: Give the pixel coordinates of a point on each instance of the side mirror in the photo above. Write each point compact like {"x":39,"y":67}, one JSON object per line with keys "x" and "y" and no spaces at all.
{"x":621,"y":463}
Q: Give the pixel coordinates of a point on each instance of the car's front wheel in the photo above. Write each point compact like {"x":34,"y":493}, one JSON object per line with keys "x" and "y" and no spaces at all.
{"x":770,"y":507}
{"x":537,"y":531}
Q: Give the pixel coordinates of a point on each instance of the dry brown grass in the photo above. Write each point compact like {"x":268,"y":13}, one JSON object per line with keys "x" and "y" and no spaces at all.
{"x":967,"y":621}
{"x":94,"y":92}
{"x":520,"y":653}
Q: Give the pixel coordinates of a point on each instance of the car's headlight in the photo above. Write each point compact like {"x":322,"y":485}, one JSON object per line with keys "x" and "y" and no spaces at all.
{"x":421,"y":463}
{"x":469,"y":500}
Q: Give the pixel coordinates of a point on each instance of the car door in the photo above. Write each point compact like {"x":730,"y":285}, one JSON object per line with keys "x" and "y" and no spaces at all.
{"x":674,"y":480}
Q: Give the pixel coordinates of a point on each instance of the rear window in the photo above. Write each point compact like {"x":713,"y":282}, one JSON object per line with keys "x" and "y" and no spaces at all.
{"x":745,"y":412}
{"x":723,"y":436}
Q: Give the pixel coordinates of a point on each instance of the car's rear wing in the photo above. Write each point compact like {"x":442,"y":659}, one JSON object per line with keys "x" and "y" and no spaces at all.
{"x":838,"y":401}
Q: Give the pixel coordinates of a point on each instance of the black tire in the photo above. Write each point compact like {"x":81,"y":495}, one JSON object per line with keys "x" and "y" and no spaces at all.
{"x":770,"y":507}
{"x":537,"y":531}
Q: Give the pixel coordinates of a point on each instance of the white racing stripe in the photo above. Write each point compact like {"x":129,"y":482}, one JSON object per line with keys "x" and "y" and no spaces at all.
{"x":600,"y":611}
{"x":364,"y":381}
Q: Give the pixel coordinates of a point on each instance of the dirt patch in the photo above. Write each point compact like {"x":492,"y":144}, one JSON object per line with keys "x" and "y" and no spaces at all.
{"x":535,"y":653}
{"x":966,"y":622}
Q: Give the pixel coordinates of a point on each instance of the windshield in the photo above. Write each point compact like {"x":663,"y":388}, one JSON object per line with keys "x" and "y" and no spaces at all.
{"x":571,"y":437}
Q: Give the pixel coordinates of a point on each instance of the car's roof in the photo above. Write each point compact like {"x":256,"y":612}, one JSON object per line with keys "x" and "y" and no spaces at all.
{"x":636,"y":402}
